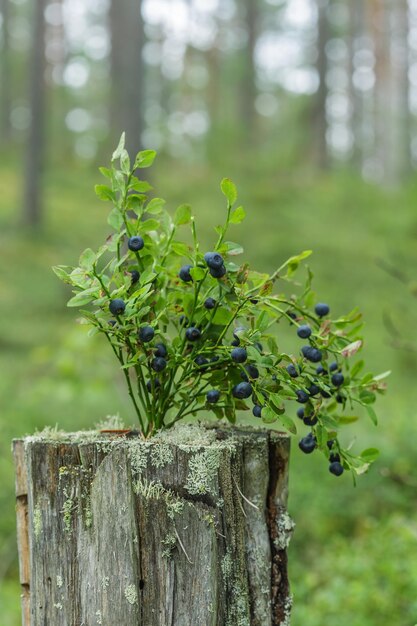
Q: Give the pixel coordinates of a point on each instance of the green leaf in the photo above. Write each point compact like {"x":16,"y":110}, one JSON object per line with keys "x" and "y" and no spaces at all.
{"x":125,"y":162}
{"x":347,"y":419}
{"x":155,"y":206}
{"x":180,"y":248}
{"x":104,"y":192}
{"x":198,"y":273}
{"x":106,"y":172}
{"x":229,"y":190}
{"x":115,"y":219}
{"x":351,"y":349}
{"x":142,"y":186}
{"x":119,"y":148}
{"x":369,"y":455}
{"x":148,"y":225}
{"x":84,"y":297}
{"x":268,"y":415}
{"x":356,"y":368}
{"x":182,"y":215}
{"x":145,"y":158}
{"x":135,"y":202}
{"x":233,"y":249}
{"x":371,"y":412}
{"x":321,"y":435}
{"x":383,"y":375}
{"x":87,"y":259}
{"x":222,"y":317}
{"x":238,"y":215}
{"x":367,"y":397}
{"x":60,"y":271}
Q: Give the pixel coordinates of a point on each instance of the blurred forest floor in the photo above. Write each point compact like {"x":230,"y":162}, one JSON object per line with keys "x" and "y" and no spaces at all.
{"x":352,"y":558}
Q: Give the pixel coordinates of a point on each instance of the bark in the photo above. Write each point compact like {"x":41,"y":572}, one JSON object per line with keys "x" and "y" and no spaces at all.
{"x":127,"y":73}
{"x":248,"y":83}
{"x":32,"y":212}
{"x":188,"y":528}
{"x":320,"y":121}
{"x":5,"y":75}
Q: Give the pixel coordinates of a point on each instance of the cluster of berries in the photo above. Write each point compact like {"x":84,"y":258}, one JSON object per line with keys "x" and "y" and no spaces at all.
{"x":214,"y":262}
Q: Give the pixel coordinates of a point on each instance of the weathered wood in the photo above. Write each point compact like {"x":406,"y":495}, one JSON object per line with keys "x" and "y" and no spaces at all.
{"x":189,"y":528}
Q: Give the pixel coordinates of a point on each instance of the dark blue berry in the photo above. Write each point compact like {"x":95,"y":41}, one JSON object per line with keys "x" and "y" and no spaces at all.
{"x":146,"y":334}
{"x":334,"y":458}
{"x":134,"y":276}
{"x":258,"y":346}
{"x":112,"y":322}
{"x":338,"y":379}
{"x":252,"y":371}
{"x":313,"y":390}
{"x":302,"y":396}
{"x":201,"y":361}
{"x":159,"y":364}
{"x":340,"y":399}
{"x":300,"y":413}
{"x":322,"y":309}
{"x":160,"y":350}
{"x":183,"y":320}
{"x":333,"y":366}
{"x":218,"y":272}
{"x":117,"y":306}
{"x":242,"y":390}
{"x":304,"y":331}
{"x":311,"y":354}
{"x":307,"y":444}
{"x":235,"y":342}
{"x":292,"y":370}
{"x":292,"y":315}
{"x":330,"y":443}
{"x":184,"y":273}
{"x":320,"y":370}
{"x":239,"y":355}
{"x":325,"y":394}
{"x":213,"y":396}
{"x":156,"y":384}
{"x":192,"y":333}
{"x":214,"y":260}
{"x":257,"y":410}
{"x":210,"y":303}
{"x":336,"y":468}
{"x":135,"y":243}
{"x":310,"y":420}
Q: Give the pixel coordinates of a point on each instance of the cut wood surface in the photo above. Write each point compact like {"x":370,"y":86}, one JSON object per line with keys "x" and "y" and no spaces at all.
{"x":189,"y":528}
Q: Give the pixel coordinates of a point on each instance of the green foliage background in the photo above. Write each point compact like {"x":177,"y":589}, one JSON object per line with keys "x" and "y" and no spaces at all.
{"x":351,"y":559}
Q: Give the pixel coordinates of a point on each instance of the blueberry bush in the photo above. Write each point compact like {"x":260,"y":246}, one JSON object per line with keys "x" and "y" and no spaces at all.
{"x":197,"y":332}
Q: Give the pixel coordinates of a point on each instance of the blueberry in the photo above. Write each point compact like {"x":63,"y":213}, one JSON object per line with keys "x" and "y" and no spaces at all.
{"x":336,"y":468}
{"x":333,"y":366}
{"x":320,"y":370}
{"x":304,"y":331}
{"x":340,"y":399}
{"x":307,"y":444}
{"x":146,"y":334}
{"x":252,"y":371}
{"x":300,"y":413}
{"x":313,"y":390}
{"x":160,"y":350}
{"x":334,"y":458}
{"x":311,"y":354}
{"x":156,"y":384}
{"x":117,"y":306}
{"x":112,"y":322}
{"x":213,"y":396}
{"x":214,"y":359}
{"x":192,"y":333}
{"x":134,"y":276}
{"x":338,"y":379}
{"x":217,"y":272}
{"x":214,"y":260}
{"x":292,"y":315}
{"x":302,"y":396}
{"x":310,"y":420}
{"x":184,"y":273}
{"x":210,"y":303}
{"x":254,"y":300}
{"x":183,"y":320}
{"x":325,"y":394}
{"x":258,"y":346}
{"x":159,"y":364}
{"x":322,"y":309}
{"x":235,"y":342}
{"x":242,"y":390}
{"x":330,"y":443}
{"x":135,"y":243}
{"x":239,"y":355}
{"x":200,"y":360}
{"x":257,"y":410}
{"x":292,"y":370}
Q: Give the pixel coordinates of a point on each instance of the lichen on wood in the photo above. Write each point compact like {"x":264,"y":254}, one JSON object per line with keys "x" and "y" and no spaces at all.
{"x":187,"y":528}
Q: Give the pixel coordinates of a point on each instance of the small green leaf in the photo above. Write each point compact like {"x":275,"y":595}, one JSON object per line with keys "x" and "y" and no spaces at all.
{"x":383,"y":375}
{"x":229,"y":190}
{"x":106,"y":172}
{"x":104,"y":192}
{"x":119,"y":148}
{"x":180,"y":248}
{"x":141,"y":186}
{"x":347,"y":419}
{"x":87,"y":259}
{"x":145,"y":158}
{"x":367,"y":397}
{"x":369,"y":455}
{"x":115,"y":219}
{"x":371,"y":412}
{"x":84,"y":297}
{"x":238,"y":215}
{"x":232,"y":248}
{"x":182,"y":215}
{"x":148,"y":225}
{"x":125,"y":162}
{"x":268,"y":415}
{"x":60,"y":271}
{"x":222,"y":317}
{"x":356,"y":368}
{"x":155,"y":206}
{"x":198,"y":273}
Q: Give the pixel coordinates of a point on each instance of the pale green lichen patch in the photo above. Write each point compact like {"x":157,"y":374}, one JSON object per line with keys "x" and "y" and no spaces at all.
{"x":99,"y":617}
{"x":131,"y":594}
{"x":169,"y":542}
{"x":138,"y":455}
{"x":285,"y":527}
{"x":67,"y":509}
{"x":161,"y":454}
{"x":37,"y":520}
{"x":59,"y":581}
{"x":202,"y":472}
{"x":105,"y":582}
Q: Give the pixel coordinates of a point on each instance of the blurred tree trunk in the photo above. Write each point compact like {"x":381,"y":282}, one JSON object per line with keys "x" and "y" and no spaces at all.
{"x":320,"y":121}
{"x":248,"y":83}
{"x":356,"y":30}
{"x":5,"y":75}
{"x":36,"y":138}
{"x":127,"y":72}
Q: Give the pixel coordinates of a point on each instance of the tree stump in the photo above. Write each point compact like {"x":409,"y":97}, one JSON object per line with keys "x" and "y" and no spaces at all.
{"x":187,"y":529}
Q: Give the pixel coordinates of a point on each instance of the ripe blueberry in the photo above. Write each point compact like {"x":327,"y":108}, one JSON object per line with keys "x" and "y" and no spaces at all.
{"x":200,"y":360}
{"x":313,"y":390}
{"x":146,"y":334}
{"x":310,"y":420}
{"x":300,"y":413}
{"x":112,"y":322}
{"x":135,"y":243}
{"x":235,"y":342}
{"x":257,"y":410}
{"x":330,"y":443}
{"x":242,"y":390}
{"x":333,"y":366}
{"x":320,"y":370}
{"x":239,"y":355}
{"x":322,"y":309}
{"x":160,"y":350}
{"x":338,"y":379}
{"x":334,"y":458}
{"x":325,"y":394}
{"x":117,"y":306}
{"x":252,"y":371}
{"x":302,"y":396}
{"x":213,"y":396}
{"x":183,"y":320}
{"x":184,"y":273}
{"x":304,"y":331}
{"x":156,"y":384}
{"x":214,"y":260}
{"x":311,"y":354}
{"x":292,"y":370}
{"x":134,"y":276}
{"x":307,"y":444}
{"x":336,"y":468}
{"x":192,"y":333}
{"x":218,"y":272}
{"x":210,"y":303}
{"x":159,"y":364}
